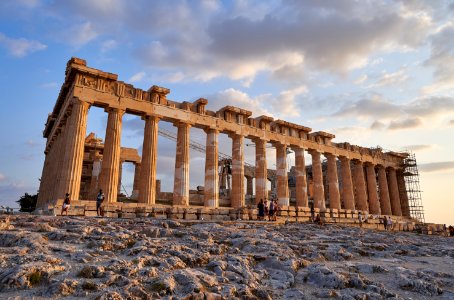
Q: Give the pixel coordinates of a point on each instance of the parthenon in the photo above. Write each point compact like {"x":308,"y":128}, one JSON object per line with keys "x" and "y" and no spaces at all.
{"x":352,"y":178}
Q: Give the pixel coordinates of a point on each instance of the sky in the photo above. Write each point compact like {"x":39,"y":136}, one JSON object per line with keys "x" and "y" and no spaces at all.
{"x":374,"y":73}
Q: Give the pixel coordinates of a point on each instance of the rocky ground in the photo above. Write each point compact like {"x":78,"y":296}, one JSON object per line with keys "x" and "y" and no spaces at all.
{"x":98,"y":258}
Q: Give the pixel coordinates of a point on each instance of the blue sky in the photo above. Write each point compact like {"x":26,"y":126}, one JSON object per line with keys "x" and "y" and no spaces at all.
{"x":371,"y":72}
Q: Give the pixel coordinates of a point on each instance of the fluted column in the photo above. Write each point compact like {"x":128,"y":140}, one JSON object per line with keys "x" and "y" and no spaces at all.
{"x":317,"y":174}
{"x":403,"y":194}
{"x":73,"y":147}
{"x":211,"y":169}
{"x":301,"y":182}
{"x":281,"y":173}
{"x":43,"y":185}
{"x":333,"y":182}
{"x":237,"y":195}
{"x":120,"y":175}
{"x":347,"y":184}
{"x":360,"y":186}
{"x":385,"y":202}
{"x":110,"y":166}
{"x":96,"y":170}
{"x":249,"y":186}
{"x":261,"y":171}
{"x":374,"y":207}
{"x":147,"y":168}
{"x":394,"y":192}
{"x":136,"y":183}
{"x":181,"y":177}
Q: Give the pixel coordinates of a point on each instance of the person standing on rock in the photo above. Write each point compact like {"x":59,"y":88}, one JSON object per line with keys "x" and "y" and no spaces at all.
{"x":265,"y":206}
{"x":271,"y":211}
{"x":360,"y":219}
{"x":99,"y":201}
{"x":261,"y":208}
{"x":312,"y":213}
{"x":276,"y":210}
{"x":66,"y":204}
{"x":385,"y":223}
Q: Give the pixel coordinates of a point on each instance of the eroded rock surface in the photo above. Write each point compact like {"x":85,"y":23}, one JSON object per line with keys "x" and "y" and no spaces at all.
{"x":95,"y":258}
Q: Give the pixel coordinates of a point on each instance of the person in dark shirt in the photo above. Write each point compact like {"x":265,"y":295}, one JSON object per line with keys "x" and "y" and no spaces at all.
{"x":261,"y":208}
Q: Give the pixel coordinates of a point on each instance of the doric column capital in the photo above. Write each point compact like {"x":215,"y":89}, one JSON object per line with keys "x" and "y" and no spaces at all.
{"x":329,"y":155}
{"x":149,"y":116}
{"x":211,"y":130}
{"x":180,"y":123}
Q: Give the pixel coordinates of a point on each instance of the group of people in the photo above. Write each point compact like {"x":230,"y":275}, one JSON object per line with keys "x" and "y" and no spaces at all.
{"x":266,"y":209}
{"x":99,"y":201}
{"x":388,"y":223}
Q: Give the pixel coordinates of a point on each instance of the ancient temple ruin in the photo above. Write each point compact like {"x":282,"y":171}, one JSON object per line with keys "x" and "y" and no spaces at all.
{"x":342,"y":178}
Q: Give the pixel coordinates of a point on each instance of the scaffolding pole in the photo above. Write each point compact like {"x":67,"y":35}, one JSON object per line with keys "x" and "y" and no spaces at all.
{"x":413,"y":192}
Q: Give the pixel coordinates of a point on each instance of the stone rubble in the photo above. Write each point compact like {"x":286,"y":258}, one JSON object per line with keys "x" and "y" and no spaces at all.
{"x":49,"y":257}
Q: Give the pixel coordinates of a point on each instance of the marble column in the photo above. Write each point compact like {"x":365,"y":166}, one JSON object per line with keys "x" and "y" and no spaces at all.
{"x":374,"y":207}
{"x":249,"y":186}
{"x":181,"y":177}
{"x":147,"y":168}
{"x":282,"y":177}
{"x":385,"y":202}
{"x":333,"y":182}
{"x":111,"y":156}
{"x":136,"y":183}
{"x":317,"y":174}
{"x":95,"y":171}
{"x":211,"y":169}
{"x":405,"y":207}
{"x":360,"y":186}
{"x":73,"y":150}
{"x":120,"y":175}
{"x":347,"y":184}
{"x":237,"y":195}
{"x":301,"y":182}
{"x":43,"y":184}
{"x":394,"y":192}
{"x":261,"y":190}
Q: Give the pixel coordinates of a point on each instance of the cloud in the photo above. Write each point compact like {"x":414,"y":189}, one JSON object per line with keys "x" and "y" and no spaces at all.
{"x":360,"y":79}
{"x":108,"y":45}
{"x":137,"y":77}
{"x":398,"y":116}
{"x":388,"y":79}
{"x":20,"y":47}
{"x":49,"y":85}
{"x":451,"y":122}
{"x":442,"y":60}
{"x":2,"y":177}
{"x":79,"y":34}
{"x":405,"y":124}
{"x":437,"y":166}
{"x":419,"y":148}
{"x":239,"y":99}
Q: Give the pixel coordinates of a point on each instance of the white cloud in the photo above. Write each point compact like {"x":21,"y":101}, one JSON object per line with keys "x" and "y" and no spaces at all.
{"x":388,"y":79}
{"x":137,"y":77}
{"x":437,"y":166}
{"x":2,"y":177}
{"x":419,"y":148}
{"x":405,"y":123}
{"x":360,"y":79}
{"x":80,"y":34}
{"x":108,"y":45}
{"x":20,"y":47}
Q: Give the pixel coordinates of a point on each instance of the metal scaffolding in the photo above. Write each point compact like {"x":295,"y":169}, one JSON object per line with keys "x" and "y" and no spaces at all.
{"x":413,"y":192}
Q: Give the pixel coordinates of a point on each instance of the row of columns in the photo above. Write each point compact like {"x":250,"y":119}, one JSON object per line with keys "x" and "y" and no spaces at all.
{"x":64,"y":162}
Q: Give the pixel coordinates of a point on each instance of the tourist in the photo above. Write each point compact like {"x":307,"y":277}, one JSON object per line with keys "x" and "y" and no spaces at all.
{"x":360,"y":219}
{"x":318,"y":220}
{"x":276,"y":210}
{"x":390,"y":223}
{"x":99,"y":201}
{"x":261,"y":208}
{"x":271,"y":211}
{"x":445,"y":230}
{"x":385,"y":223}
{"x":265,"y":206}
{"x":312,"y":213}
{"x":66,"y":205}
{"x":451,"y":230}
